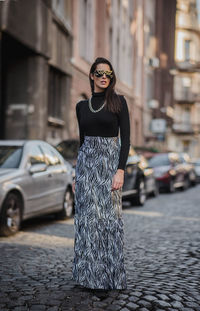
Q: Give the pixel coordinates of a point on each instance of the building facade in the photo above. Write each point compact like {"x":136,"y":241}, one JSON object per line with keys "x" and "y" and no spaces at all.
{"x":36,"y":71}
{"x":46,"y":56}
{"x":185,"y":136}
{"x":162,"y":81}
{"x":47,"y":48}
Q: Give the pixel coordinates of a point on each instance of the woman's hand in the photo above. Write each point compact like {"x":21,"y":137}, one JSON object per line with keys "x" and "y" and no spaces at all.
{"x":73,"y":186}
{"x":118,"y":180}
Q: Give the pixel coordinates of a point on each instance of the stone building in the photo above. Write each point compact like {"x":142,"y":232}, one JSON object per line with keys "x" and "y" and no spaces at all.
{"x":36,"y":70}
{"x":185,"y":136}
{"x":48,"y":46}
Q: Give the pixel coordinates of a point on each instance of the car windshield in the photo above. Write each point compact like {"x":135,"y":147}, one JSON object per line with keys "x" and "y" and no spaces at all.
{"x":10,"y":156}
{"x":159,"y":160}
{"x":68,"y":149}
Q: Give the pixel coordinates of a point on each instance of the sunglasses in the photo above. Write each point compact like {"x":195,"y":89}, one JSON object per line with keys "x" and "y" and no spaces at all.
{"x":100,"y":73}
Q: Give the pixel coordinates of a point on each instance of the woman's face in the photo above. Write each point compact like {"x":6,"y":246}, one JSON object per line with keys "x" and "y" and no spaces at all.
{"x":103,"y":81}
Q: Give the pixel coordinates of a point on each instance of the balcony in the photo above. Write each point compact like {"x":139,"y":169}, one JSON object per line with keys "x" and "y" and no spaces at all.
{"x":183,"y":128}
{"x":186,"y":96}
{"x":186,"y":89}
{"x":187,"y":65}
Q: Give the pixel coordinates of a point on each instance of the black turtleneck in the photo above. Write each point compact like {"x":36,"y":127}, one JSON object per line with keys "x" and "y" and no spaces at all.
{"x":105,"y":123}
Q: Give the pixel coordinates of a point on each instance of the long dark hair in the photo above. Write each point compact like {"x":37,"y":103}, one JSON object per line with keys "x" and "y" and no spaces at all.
{"x":113,"y":102}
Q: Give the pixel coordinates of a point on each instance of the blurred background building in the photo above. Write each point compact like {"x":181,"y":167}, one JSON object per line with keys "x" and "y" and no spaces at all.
{"x":36,"y":71}
{"x":159,"y":31}
{"x":185,"y":135}
{"x":48,"y":46}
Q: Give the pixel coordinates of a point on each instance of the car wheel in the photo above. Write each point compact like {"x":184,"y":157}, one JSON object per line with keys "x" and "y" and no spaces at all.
{"x":193,"y":183}
{"x":171,"y":186}
{"x":11,"y":215}
{"x":68,"y":206}
{"x":141,"y":196}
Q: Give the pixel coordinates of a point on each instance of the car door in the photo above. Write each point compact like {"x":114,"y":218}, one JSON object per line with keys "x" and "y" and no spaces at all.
{"x":180,"y":172}
{"x":36,"y":185}
{"x":57,"y":175}
{"x":149,"y":175}
{"x":130,"y":177}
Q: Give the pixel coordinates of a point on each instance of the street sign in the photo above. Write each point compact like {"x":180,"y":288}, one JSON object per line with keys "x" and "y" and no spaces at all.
{"x":158,"y":126}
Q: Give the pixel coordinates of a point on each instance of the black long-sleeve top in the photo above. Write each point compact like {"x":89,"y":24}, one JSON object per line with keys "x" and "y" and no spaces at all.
{"x":105,"y":123}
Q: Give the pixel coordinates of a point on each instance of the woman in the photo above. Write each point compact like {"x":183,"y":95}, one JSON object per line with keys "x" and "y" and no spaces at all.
{"x":98,"y":261}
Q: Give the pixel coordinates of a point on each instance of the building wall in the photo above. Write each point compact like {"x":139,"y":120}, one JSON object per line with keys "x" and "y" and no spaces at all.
{"x":113,"y":39}
{"x":52,"y":48}
{"x":163,"y":86}
{"x":36,"y":50}
{"x":186,"y":125}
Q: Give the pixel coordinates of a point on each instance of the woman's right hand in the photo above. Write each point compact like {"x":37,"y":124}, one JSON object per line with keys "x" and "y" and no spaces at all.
{"x":73,"y":186}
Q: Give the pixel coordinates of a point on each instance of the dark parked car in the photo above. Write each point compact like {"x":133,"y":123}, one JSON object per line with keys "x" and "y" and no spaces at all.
{"x":139,"y":181}
{"x":196,"y":164}
{"x":169,"y":171}
{"x":189,"y":168}
{"x":69,"y":150}
{"x":34,"y":180}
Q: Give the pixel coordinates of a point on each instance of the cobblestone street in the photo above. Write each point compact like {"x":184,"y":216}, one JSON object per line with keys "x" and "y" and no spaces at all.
{"x":162,"y":257}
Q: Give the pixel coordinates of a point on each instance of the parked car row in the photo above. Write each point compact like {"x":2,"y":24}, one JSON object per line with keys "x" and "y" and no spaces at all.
{"x":139,"y":179}
{"x":36,"y":179}
{"x":173,"y":170}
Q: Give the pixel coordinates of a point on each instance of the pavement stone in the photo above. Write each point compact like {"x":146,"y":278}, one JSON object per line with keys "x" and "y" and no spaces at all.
{"x":132,"y":306}
{"x":163,"y":297}
{"x":144,"y":303}
{"x":177,"y":304}
{"x":161,"y":256}
{"x":120,"y":302}
{"x":133,"y":299}
{"x":150,"y":298}
{"x":113,"y":307}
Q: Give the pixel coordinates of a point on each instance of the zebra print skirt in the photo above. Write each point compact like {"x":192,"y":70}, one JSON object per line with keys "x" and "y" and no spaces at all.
{"x":98,"y":248}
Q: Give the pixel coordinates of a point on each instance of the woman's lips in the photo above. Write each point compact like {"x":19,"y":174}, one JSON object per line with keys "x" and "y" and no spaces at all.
{"x":103,"y":82}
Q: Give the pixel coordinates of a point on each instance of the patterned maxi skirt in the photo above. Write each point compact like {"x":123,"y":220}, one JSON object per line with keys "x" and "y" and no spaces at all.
{"x":98,"y":248}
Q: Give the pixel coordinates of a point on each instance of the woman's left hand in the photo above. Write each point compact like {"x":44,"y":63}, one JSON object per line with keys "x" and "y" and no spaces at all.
{"x":118,"y":180}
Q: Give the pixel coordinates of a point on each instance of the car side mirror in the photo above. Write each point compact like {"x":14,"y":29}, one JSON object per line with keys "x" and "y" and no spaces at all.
{"x":37,"y":168}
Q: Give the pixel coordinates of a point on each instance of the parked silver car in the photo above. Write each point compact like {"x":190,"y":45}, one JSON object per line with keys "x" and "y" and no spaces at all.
{"x":34,"y":180}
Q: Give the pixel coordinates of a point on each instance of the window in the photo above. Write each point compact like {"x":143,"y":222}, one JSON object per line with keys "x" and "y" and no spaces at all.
{"x":186,"y":116}
{"x":10,"y":156}
{"x":121,"y":39}
{"x":36,"y":156}
{"x":57,"y":86}
{"x":187,"y":49}
{"x":51,"y":156}
{"x":186,"y":145}
{"x":63,"y":8}
{"x":86,"y":29}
